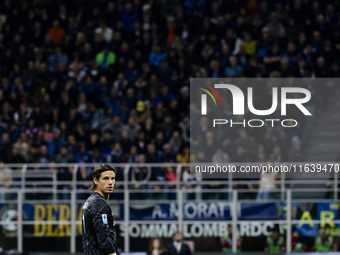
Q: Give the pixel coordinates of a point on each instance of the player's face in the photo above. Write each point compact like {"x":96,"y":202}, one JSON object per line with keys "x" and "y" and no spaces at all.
{"x":106,"y":182}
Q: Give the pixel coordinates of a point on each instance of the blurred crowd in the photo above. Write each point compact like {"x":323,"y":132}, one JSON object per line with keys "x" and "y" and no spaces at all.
{"x":273,"y":243}
{"x":108,"y":81}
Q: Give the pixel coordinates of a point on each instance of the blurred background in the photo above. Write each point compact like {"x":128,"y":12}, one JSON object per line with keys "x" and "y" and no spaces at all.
{"x":86,"y":82}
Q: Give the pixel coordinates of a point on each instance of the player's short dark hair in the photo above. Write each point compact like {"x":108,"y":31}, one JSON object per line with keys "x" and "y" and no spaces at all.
{"x":97,"y":171}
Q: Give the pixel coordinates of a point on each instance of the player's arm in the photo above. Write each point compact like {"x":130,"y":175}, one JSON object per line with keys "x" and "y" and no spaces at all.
{"x":102,"y":230}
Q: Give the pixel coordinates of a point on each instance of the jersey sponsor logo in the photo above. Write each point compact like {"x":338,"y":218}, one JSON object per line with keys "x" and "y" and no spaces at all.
{"x":104,"y":218}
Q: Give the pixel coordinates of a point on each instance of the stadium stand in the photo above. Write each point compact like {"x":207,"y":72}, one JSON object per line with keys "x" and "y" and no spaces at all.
{"x":108,"y":81}
{"x":106,"y":67}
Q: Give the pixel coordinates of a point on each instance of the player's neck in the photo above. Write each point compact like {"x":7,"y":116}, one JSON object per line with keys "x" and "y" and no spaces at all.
{"x":104,"y":195}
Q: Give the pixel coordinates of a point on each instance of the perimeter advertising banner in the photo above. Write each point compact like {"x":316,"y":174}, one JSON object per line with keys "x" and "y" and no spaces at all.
{"x":326,"y":212}
{"x":39,"y":212}
{"x":219,"y":213}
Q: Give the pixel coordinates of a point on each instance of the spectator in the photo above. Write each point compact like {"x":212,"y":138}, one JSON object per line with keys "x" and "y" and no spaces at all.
{"x":151,"y":154}
{"x":83,"y":156}
{"x":177,"y":246}
{"x":56,"y":58}
{"x":267,"y":185}
{"x":226,"y":241}
{"x":184,"y":156}
{"x":43,"y":157}
{"x":133,"y":155}
{"x":16,"y":156}
{"x":139,"y":176}
{"x":47,"y":133}
{"x":272,"y":59}
{"x":233,"y":70}
{"x":220,"y":156}
{"x":121,"y":84}
{"x":132,"y":128}
{"x":324,"y":242}
{"x":167,"y":126}
{"x":249,"y":44}
{"x":106,"y":32}
{"x":320,"y":69}
{"x":274,"y":25}
{"x":125,"y":141}
{"x":57,"y":32}
{"x":64,"y":173}
{"x":76,"y":66}
{"x":275,"y":242}
{"x":170,"y":177}
{"x":157,"y":56}
{"x":116,"y":127}
{"x":184,"y":126}
{"x":168,"y":154}
{"x":64,"y":156}
{"x":190,"y":179}
{"x":107,"y":141}
{"x":83,"y":176}
{"x":276,"y":155}
{"x":5,"y":180}
{"x":176,"y":142}
{"x":105,"y":58}
{"x":141,"y":142}
{"x":131,"y":71}
{"x":117,"y":154}
{"x":93,"y":141}
{"x":96,"y":156}
{"x":129,"y":17}
{"x":156,"y":247}
{"x":297,"y":246}
{"x":72,"y":145}
{"x":23,"y":144}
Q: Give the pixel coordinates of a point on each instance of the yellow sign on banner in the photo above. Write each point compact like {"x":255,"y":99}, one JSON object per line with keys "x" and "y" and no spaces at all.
{"x":54,"y":212}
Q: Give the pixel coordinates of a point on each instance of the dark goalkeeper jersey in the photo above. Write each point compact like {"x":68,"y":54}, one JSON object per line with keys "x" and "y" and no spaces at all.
{"x":98,"y":226}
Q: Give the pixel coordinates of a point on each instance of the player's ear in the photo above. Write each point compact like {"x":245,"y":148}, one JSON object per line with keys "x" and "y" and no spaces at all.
{"x":95,"y":180}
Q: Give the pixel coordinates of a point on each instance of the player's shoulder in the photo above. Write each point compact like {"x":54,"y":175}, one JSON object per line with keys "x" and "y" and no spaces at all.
{"x":94,"y":201}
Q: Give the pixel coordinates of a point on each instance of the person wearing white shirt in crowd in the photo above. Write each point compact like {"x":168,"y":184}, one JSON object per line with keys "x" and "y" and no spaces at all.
{"x":267,"y":185}
{"x":107,"y":32}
